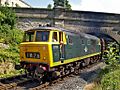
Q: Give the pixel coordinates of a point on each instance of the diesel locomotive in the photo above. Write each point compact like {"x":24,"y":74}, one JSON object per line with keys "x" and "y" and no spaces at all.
{"x":51,"y":51}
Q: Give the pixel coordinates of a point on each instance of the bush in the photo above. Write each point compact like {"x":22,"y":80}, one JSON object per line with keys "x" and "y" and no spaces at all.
{"x":8,"y":33}
{"x":10,"y":37}
{"x":110,"y":75}
{"x":7,"y":55}
{"x":8,"y":16}
{"x":111,"y":81}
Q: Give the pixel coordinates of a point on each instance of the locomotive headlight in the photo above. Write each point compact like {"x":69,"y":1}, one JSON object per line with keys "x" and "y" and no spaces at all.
{"x":44,"y":58}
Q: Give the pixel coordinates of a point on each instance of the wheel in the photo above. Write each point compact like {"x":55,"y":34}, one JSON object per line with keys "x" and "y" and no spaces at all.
{"x":39,"y":74}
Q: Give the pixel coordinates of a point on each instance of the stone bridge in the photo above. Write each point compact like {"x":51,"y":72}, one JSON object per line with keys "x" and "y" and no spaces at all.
{"x":106,"y":25}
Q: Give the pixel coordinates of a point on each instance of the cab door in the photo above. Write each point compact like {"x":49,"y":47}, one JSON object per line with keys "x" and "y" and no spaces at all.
{"x":55,"y":46}
{"x":62,"y":47}
{"x":58,"y":46}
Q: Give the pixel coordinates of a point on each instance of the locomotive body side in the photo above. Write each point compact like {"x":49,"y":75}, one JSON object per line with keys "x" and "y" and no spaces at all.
{"x":78,"y":47}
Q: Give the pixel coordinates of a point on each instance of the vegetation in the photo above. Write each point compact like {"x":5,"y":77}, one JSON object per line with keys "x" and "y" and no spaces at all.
{"x":110,"y":75}
{"x":49,"y":6}
{"x":10,"y":38}
{"x":7,"y":17}
{"x":62,"y":3}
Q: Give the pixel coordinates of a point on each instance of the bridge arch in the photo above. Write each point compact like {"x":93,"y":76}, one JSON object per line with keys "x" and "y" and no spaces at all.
{"x":105,"y":36}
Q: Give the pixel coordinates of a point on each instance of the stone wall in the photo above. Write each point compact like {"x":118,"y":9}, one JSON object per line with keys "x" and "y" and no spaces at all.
{"x":83,"y":21}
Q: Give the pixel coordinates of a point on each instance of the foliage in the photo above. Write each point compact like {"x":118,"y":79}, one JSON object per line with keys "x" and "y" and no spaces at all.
{"x":63,"y":3}
{"x":10,"y":54}
{"x":49,"y":6}
{"x":12,"y":73}
{"x":8,"y":33}
{"x":112,"y":58}
{"x":10,"y":38}
{"x":111,"y":81}
{"x":67,"y":5}
{"x":7,"y":16}
{"x":110,"y":76}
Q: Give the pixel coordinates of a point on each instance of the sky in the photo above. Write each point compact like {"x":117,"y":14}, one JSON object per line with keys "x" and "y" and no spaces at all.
{"x":110,"y":6}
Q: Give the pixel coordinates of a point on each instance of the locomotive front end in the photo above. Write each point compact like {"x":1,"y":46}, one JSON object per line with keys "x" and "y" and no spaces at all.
{"x":34,"y":50}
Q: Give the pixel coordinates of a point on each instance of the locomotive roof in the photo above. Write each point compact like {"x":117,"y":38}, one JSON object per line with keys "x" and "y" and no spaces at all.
{"x":44,"y":28}
{"x":66,"y":30}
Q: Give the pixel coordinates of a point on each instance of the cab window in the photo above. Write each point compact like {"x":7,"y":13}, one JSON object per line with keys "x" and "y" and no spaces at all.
{"x":54,"y":37}
{"x":42,"y":36}
{"x":69,"y":39}
{"x":28,"y":37}
{"x":88,"y":42}
{"x":83,"y":42}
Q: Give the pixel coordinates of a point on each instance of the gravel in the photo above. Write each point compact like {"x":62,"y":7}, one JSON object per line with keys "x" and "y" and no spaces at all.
{"x":73,"y":83}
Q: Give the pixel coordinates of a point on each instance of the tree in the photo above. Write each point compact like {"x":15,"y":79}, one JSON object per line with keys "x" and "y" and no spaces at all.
{"x":49,"y":6}
{"x":68,"y":6}
{"x":62,"y":3}
{"x":7,"y":25}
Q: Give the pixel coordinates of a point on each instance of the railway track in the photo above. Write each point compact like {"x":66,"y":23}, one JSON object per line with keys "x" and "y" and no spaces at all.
{"x":13,"y":83}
